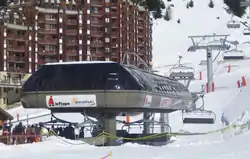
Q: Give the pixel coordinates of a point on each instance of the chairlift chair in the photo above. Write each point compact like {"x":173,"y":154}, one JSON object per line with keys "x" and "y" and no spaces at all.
{"x":182,"y":72}
{"x":199,"y":117}
{"x":233,"y":24}
{"x":234,"y":54}
{"x":246,"y":31}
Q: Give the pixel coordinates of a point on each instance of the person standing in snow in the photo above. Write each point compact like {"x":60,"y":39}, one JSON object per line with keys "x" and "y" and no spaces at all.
{"x":224,"y":120}
{"x":77,"y":131}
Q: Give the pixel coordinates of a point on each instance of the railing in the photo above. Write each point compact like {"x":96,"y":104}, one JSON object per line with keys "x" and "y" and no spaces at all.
{"x":47,"y":41}
{"x":16,"y":37}
{"x":97,"y":23}
{"x":96,"y":3}
{"x":71,"y":52}
{"x":72,"y":22}
{"x":71,"y":31}
{"x":16,"y":58}
{"x":16,"y":49}
{"x":50,"y":31}
{"x":47,"y":52}
{"x":97,"y":33}
{"x":97,"y":43}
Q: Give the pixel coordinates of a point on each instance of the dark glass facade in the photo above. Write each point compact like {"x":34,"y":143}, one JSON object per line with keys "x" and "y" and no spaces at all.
{"x":99,"y":76}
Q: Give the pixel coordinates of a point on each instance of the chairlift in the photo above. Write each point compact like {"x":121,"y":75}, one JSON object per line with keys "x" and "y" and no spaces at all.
{"x":246,"y":31}
{"x":182,"y":72}
{"x":233,"y":24}
{"x":234,"y":54}
{"x":198,"y":115}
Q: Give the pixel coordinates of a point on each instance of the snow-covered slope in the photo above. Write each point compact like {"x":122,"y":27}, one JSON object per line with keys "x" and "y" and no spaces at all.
{"x":169,"y":40}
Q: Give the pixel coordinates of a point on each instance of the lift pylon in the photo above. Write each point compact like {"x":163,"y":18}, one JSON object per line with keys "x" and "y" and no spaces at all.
{"x":209,"y":43}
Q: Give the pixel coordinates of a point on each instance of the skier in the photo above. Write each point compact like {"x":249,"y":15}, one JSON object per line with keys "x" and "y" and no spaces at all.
{"x":224,"y":120}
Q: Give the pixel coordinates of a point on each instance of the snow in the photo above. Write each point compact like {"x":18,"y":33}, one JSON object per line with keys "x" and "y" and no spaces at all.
{"x":170,"y":39}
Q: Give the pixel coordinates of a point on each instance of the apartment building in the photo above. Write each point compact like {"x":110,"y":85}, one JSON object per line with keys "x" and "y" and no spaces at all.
{"x":57,"y":31}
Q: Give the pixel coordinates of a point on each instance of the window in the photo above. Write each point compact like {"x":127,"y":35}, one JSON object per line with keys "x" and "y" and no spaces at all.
{"x":107,"y":50}
{"x":106,"y":10}
{"x":107,"y":40}
{"x":80,"y":77}
{"x":107,"y":20}
{"x":106,"y":1}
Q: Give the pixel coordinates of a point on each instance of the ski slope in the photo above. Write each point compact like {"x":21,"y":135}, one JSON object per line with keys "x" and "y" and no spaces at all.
{"x":170,"y":39}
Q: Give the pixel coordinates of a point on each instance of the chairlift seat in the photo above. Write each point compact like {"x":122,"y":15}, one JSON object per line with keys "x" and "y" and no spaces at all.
{"x":199,"y":117}
{"x":198,"y":120}
{"x":246,"y":32}
{"x":182,"y":75}
{"x":234,"y":55}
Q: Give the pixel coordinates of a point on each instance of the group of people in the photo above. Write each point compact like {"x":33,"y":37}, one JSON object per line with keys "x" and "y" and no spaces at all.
{"x":20,"y":134}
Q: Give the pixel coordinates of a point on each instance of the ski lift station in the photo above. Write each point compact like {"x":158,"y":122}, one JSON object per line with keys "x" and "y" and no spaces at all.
{"x":233,"y":54}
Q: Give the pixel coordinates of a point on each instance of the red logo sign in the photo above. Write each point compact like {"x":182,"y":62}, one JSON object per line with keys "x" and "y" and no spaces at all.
{"x":166,"y":102}
{"x":51,"y":101}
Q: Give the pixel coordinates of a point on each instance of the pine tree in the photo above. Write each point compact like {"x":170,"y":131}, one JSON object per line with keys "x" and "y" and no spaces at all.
{"x":187,"y":6}
{"x":211,"y":4}
{"x":235,"y":8}
{"x":167,"y":15}
{"x":191,"y":3}
{"x":179,"y":21}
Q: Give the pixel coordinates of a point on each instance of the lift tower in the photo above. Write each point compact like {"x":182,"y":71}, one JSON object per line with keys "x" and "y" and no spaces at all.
{"x":209,"y":43}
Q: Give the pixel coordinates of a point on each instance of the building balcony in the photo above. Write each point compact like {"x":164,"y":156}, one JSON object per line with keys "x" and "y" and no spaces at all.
{"x":71,"y":53}
{"x":141,"y":44}
{"x":50,"y":60}
{"x":98,"y":14}
{"x":71,"y":42}
{"x":97,"y":53}
{"x":141,"y":52}
{"x":96,"y":34}
{"x":41,"y":61}
{"x":47,"y":21}
{"x":140,"y":26}
{"x":47,"y":52}
{"x":71,"y":31}
{"x":16,"y":37}
{"x":47,"y":41}
{"x":97,"y":44}
{"x":113,"y":5}
{"x":15,"y":48}
{"x":71,"y":22}
{"x":16,"y":59}
{"x":48,"y":31}
{"x":97,"y":23}
{"x":140,"y":35}
{"x":114,"y":35}
{"x":140,"y":18}
{"x":114,"y":15}
{"x":114,"y":55}
{"x":96,"y":3}
{"x":16,"y":69}
{"x":114,"y":45}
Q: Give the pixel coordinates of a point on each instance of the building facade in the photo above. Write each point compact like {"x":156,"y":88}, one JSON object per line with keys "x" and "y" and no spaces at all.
{"x":57,"y":31}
